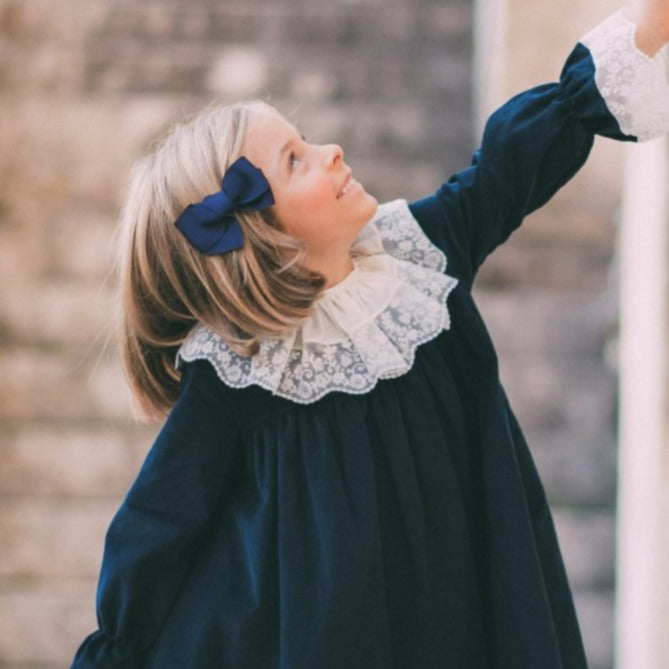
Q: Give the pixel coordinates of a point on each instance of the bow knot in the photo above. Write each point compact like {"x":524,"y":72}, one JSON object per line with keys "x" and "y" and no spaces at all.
{"x":211,"y":225}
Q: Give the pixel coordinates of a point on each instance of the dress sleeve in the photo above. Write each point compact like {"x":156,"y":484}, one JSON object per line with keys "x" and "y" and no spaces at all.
{"x":538,"y":140}
{"x":160,"y":524}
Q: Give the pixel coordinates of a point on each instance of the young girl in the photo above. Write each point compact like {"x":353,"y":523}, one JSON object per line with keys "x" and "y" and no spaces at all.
{"x":340,"y":482}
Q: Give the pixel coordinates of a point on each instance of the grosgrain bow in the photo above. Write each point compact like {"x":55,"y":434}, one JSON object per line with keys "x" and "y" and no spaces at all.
{"x":210,"y":225}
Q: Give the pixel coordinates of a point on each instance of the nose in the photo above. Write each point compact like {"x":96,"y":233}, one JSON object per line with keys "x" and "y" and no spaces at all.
{"x":333,"y":154}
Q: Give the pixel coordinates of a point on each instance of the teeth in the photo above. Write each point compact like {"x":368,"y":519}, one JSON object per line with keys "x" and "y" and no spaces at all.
{"x":347,"y":188}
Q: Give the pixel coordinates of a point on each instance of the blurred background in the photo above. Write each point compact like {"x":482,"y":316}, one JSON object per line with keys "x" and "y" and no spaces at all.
{"x":402,"y":85}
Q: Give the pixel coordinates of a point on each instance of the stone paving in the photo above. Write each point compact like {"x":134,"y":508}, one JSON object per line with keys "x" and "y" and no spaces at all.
{"x":84,"y":86}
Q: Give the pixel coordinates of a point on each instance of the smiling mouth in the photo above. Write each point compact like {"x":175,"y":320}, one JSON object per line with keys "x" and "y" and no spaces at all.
{"x":349,"y":184}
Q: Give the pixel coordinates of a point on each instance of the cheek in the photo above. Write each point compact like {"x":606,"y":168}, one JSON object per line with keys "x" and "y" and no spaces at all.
{"x":314,"y":194}
{"x":305,"y":209}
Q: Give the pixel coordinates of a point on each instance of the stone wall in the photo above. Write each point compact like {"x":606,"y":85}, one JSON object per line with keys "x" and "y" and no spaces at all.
{"x":84,"y":86}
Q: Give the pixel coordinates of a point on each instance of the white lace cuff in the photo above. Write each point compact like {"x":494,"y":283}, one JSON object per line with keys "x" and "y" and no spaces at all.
{"x":633,"y":85}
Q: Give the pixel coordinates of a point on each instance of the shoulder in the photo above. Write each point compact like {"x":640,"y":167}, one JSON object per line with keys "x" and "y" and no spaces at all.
{"x":199,"y":438}
{"x":443,"y":221}
{"x":201,"y":390}
{"x":204,"y":407}
{"x":206,"y":398}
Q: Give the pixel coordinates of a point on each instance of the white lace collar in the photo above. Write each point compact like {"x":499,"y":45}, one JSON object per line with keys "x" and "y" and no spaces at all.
{"x":363,"y":329}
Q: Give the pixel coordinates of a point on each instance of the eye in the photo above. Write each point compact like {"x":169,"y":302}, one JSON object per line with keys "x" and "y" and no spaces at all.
{"x":293,"y":161}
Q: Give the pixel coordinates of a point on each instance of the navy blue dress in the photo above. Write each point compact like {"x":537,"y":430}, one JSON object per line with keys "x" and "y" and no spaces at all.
{"x":402,"y":528}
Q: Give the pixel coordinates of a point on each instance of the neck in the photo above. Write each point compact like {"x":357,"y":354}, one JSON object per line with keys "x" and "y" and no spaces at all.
{"x":335,"y":267}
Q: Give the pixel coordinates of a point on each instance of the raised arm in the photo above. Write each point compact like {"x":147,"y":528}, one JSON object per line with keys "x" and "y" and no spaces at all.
{"x":538,"y":140}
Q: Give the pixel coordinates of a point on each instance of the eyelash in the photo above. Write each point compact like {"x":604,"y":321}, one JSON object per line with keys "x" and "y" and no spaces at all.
{"x":292,"y":159}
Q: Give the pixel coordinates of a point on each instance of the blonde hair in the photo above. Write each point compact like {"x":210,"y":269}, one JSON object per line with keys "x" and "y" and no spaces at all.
{"x":167,"y":286}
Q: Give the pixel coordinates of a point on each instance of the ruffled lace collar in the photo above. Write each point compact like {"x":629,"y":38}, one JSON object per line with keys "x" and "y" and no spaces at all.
{"x":365,"y":328}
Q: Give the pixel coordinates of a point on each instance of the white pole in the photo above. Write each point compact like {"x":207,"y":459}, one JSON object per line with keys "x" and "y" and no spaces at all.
{"x":643,"y":340}
{"x":490,"y":31}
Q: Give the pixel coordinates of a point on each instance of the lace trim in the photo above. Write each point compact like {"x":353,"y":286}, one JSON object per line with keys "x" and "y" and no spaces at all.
{"x":364,"y":329}
{"x":403,"y":238}
{"x":633,"y":85}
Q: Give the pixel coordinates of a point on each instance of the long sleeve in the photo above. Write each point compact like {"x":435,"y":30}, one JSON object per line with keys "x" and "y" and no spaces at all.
{"x":538,"y":140}
{"x":159,"y":526}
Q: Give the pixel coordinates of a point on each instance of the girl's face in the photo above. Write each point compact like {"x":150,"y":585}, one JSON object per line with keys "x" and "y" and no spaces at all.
{"x":316,"y":198}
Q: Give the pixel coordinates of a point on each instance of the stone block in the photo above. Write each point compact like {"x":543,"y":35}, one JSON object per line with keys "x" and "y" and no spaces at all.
{"x":596,"y":616}
{"x":325,"y":26}
{"x":552,"y":393}
{"x":587,"y":538}
{"x":241,"y":23}
{"x":26,"y":262}
{"x":46,"y":44}
{"x":54,"y":385}
{"x":58,"y":313}
{"x":43,"y":623}
{"x":381,"y":83}
{"x":156,"y":21}
{"x":238,"y":71}
{"x":51,"y":538}
{"x":576,"y":469}
{"x":80,"y":460}
{"x":314,"y":86}
{"x":169,"y":22}
{"x":76,"y":166}
{"x":447,"y":24}
{"x":47,"y":67}
{"x":552,"y":265}
{"x":552,"y":323}
{"x":82,"y":245}
{"x":41,"y":20}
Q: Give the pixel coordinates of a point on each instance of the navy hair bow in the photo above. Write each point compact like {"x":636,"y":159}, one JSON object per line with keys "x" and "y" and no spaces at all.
{"x":210,"y":225}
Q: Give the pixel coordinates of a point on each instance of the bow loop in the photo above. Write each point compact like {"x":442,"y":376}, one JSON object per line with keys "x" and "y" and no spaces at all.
{"x":211,"y":225}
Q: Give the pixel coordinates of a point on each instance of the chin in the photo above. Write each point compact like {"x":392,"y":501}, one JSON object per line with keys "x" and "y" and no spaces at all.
{"x":372,"y":204}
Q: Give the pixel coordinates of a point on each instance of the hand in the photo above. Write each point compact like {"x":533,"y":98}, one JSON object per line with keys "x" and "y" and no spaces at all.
{"x":652,"y":20}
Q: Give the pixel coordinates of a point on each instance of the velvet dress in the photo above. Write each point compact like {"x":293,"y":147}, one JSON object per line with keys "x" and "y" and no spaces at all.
{"x":359,"y":494}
